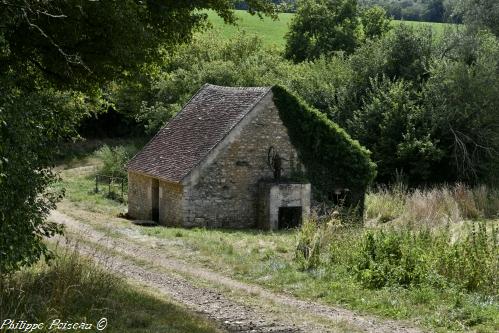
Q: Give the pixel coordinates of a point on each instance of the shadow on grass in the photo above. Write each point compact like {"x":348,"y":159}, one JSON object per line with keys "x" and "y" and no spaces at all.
{"x":74,"y":289}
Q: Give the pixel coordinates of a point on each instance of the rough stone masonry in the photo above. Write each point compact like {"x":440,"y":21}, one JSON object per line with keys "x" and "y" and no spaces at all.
{"x":206,"y":166}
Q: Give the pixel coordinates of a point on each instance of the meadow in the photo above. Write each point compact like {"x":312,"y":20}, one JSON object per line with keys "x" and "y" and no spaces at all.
{"x":428,"y":256}
{"x":273,"y":32}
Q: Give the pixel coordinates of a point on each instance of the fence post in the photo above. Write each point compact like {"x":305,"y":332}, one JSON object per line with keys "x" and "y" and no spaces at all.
{"x":96,"y":183}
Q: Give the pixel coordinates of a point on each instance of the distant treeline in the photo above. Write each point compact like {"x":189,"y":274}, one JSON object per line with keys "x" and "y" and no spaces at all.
{"x":409,"y":10}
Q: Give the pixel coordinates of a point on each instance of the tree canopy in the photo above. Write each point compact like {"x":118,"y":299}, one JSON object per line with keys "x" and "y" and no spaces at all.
{"x":55,"y":56}
{"x":323,"y":27}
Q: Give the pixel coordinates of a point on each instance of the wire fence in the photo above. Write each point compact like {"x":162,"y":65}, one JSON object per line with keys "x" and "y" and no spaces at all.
{"x":112,"y":187}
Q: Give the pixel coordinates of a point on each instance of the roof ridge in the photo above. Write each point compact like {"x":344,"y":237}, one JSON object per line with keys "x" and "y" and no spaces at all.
{"x":257,"y":88}
{"x":248,"y":110}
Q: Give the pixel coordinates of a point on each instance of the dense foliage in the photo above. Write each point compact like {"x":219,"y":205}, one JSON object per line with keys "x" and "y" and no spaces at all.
{"x":55,"y":57}
{"x":414,"y":257}
{"x":481,"y":14}
{"x":321,"y":27}
{"x":418,"y":10}
{"x":323,"y":146}
{"x":406,"y":258}
{"x":425,"y":107}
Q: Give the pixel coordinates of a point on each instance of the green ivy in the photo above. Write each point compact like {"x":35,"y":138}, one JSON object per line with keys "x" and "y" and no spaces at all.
{"x":332,"y":159}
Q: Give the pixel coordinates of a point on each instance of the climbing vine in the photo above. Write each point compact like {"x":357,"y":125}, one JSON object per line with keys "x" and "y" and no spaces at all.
{"x":332,"y":159}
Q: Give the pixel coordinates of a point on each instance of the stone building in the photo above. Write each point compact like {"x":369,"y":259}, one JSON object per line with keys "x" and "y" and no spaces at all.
{"x":209,"y":166}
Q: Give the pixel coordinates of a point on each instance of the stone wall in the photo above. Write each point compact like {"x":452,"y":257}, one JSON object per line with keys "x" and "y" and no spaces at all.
{"x":273,"y":195}
{"x":224,"y":193}
{"x":139,"y":196}
{"x":170,"y":204}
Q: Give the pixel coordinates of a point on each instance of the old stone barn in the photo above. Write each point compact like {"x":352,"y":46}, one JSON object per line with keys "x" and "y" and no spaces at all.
{"x":213,"y":165}
{"x":239,"y":158}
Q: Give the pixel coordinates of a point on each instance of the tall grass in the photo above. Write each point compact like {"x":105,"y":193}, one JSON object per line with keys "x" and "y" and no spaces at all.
{"x":432,"y":207}
{"x":404,"y":257}
{"x":71,"y":288}
{"x":74,"y":289}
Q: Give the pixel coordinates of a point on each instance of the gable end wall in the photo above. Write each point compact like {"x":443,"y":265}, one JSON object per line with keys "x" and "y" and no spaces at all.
{"x":224,"y":191}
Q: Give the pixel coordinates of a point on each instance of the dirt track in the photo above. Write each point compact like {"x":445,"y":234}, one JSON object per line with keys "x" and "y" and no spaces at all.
{"x":235,"y":306}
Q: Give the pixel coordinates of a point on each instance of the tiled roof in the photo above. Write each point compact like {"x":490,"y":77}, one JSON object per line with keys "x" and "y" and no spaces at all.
{"x":188,"y":138}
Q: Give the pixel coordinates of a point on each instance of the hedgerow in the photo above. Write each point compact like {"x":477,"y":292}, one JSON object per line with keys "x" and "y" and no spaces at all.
{"x":332,"y":159}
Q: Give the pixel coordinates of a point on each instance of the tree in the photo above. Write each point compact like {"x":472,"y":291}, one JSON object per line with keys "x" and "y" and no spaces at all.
{"x":375,"y":22}
{"x":54,"y":58}
{"x":321,"y":27}
{"x":481,"y":14}
{"x":462,"y":97}
{"x":435,"y":11}
{"x":393,"y":125}
{"x":409,"y":52}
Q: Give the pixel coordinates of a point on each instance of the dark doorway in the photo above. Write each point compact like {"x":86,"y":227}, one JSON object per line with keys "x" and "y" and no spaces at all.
{"x":289,"y":217}
{"x":155,"y":200}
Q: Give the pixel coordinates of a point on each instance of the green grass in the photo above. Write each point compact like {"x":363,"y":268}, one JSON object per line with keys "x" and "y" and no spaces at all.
{"x":267,"y":258}
{"x":73,"y":289}
{"x":272,"y":32}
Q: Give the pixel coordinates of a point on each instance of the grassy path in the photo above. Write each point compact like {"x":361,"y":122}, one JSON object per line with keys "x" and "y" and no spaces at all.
{"x":237,"y":306}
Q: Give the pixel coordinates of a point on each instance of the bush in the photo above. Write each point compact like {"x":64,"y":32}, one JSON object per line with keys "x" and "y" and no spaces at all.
{"x":114,"y":160}
{"x":391,"y":122}
{"x":433,"y":258}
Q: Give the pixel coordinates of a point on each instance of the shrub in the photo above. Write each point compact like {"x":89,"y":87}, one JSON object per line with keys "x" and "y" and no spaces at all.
{"x":389,"y":258}
{"x":114,"y":160}
{"x":411,"y":258}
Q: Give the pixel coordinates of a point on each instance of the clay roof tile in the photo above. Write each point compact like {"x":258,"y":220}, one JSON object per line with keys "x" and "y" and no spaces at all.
{"x":189,"y":137}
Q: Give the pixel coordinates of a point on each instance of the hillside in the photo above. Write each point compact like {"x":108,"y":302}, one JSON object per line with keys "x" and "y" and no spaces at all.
{"x":273,"y":32}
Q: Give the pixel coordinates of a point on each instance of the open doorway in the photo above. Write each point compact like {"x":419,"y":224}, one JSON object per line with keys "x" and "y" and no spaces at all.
{"x":155,"y":200}
{"x":290,"y":217}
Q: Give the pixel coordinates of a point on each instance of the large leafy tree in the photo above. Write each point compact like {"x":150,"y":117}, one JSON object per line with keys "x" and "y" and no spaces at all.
{"x":54,"y":57}
{"x":321,"y":27}
{"x":481,"y":14}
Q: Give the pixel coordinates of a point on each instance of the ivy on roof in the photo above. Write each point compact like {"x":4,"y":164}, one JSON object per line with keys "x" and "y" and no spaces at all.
{"x":332,"y":159}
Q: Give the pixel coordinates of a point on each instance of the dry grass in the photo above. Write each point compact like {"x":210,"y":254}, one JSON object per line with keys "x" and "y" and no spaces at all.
{"x":75,"y":289}
{"x":432,"y":207}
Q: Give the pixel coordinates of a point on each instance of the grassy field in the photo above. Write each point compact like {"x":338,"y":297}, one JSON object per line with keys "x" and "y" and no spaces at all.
{"x":73,"y":289}
{"x":272,"y":32}
{"x":270,"y":258}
